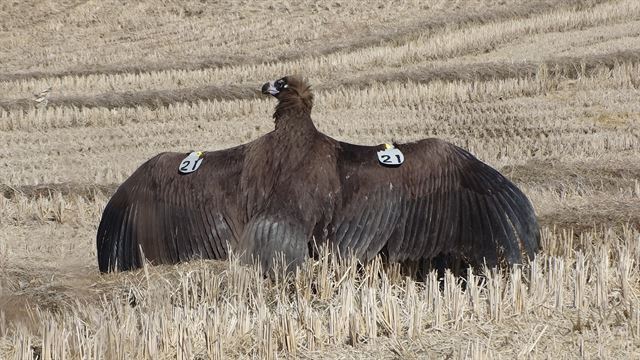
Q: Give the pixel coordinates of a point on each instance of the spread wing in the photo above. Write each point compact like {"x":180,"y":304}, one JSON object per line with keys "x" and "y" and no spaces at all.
{"x":173,"y":217}
{"x":441,"y":200}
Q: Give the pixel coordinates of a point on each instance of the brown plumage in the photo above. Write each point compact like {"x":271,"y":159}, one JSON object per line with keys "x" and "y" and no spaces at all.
{"x":295,"y":185}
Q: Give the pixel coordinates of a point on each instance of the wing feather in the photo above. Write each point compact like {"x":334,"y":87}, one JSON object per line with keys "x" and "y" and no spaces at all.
{"x":396,"y":238}
{"x":374,"y":213}
{"x":184,"y":244}
{"x":484,"y":244}
{"x":424,"y":244}
{"x":134,"y":250}
{"x":530,"y":236}
{"x":467,"y":224}
{"x":208,"y":233}
{"x":359,"y":229}
{"x":409,"y":233}
{"x":452,"y":226}
{"x":435,"y":224}
{"x":416,"y":237}
{"x":503,"y":231}
{"x":120,"y":227}
{"x":125,"y":233}
{"x":376,"y":242}
{"x":215,"y":245}
{"x":204,"y":233}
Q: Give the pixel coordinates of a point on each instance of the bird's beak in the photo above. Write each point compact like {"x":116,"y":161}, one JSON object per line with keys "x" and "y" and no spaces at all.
{"x":269,"y":88}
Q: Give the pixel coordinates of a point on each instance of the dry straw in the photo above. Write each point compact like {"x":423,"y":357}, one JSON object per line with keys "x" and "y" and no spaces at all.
{"x":193,"y":310}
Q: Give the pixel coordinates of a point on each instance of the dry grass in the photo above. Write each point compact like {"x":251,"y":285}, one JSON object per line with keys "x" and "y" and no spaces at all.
{"x":161,"y":37}
{"x":546,"y":91}
{"x":580,"y":297}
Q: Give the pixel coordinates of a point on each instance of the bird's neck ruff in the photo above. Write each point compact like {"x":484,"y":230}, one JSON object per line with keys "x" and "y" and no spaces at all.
{"x":294,"y":107}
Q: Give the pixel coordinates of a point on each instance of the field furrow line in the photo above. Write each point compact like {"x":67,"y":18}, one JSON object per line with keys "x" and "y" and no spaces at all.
{"x":566,"y":66}
{"x":385,"y":35}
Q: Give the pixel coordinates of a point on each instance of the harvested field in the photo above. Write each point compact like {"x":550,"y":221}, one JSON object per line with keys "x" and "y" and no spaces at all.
{"x":546,"y":91}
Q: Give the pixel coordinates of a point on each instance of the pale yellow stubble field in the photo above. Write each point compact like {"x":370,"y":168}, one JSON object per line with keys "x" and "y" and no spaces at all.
{"x":546,"y":91}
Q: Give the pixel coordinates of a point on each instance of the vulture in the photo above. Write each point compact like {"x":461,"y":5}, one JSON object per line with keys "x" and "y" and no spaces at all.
{"x":295,"y":187}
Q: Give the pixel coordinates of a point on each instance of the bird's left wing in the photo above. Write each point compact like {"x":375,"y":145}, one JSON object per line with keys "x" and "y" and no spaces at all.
{"x":169,"y":215}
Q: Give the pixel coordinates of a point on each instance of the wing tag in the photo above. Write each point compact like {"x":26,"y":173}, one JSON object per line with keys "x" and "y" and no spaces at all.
{"x":390,"y":156}
{"x":191,"y":163}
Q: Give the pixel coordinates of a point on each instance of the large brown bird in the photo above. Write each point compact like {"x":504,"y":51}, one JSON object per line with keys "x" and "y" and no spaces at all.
{"x":296,"y":185}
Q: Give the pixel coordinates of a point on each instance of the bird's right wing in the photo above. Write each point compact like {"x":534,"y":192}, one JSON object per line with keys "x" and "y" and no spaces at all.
{"x":441,"y":200}
{"x":172,"y":216}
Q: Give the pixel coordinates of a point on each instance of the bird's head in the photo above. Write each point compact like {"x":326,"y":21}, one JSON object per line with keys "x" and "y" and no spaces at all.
{"x":293,"y":94}
{"x":275,"y":87}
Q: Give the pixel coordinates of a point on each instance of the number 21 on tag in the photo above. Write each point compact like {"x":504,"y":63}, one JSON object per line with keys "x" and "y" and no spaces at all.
{"x":191,"y":163}
{"x":391,"y":157}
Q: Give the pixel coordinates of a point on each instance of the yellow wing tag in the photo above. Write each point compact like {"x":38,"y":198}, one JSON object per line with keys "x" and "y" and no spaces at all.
{"x":390,"y":156}
{"x":191,"y":163}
